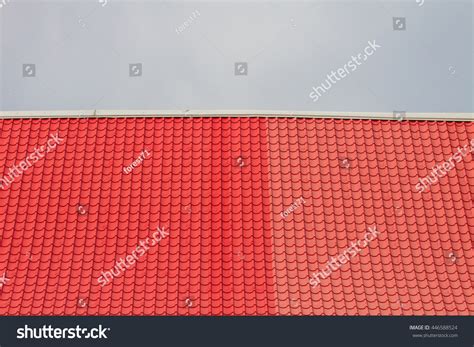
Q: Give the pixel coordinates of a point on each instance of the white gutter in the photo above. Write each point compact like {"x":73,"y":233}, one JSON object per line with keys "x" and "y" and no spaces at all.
{"x":464,"y":117}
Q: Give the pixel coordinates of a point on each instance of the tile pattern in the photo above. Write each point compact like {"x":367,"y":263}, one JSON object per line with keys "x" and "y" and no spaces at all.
{"x":216,"y":258}
{"x":357,"y":174}
{"x":218,"y":186}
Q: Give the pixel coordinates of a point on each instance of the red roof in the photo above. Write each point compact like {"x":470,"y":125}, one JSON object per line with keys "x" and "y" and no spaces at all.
{"x":246,"y":209}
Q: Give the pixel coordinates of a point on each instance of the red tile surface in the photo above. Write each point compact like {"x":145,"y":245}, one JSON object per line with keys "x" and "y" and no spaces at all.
{"x":218,"y":186}
{"x":407,"y":269}
{"x":219,"y":251}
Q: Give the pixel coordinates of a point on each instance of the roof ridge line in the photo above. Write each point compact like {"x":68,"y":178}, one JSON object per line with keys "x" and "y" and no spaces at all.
{"x":396,"y":115}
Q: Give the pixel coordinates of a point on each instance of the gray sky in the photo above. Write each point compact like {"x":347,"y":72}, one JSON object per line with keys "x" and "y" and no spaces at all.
{"x":82,"y":51}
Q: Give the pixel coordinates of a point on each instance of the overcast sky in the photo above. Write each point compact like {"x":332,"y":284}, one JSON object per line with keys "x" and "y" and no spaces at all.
{"x":67,"y":55}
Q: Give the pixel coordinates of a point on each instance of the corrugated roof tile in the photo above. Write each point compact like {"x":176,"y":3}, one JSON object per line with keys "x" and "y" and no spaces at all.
{"x":218,"y":185}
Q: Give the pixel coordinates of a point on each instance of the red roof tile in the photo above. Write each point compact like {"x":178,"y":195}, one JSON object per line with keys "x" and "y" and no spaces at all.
{"x":219,"y":186}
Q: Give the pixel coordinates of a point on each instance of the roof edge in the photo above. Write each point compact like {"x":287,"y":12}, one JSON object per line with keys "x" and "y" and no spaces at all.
{"x":460,"y":117}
